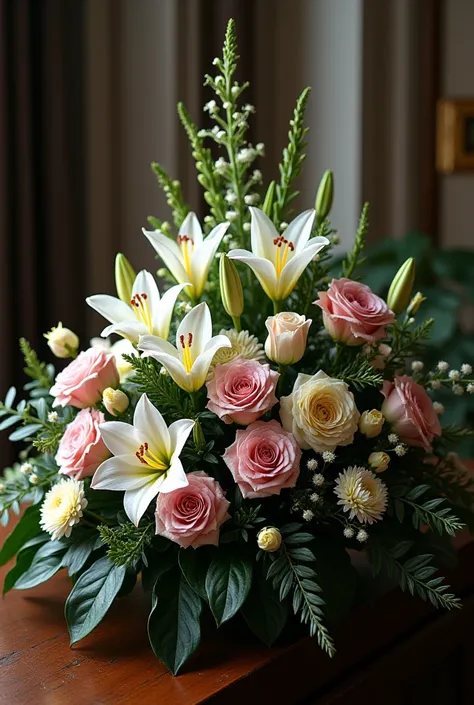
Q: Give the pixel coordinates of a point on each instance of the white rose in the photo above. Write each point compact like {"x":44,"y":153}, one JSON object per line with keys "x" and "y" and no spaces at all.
{"x":371,"y":423}
{"x":269,"y":539}
{"x":320,"y":412}
{"x":62,"y":341}
{"x":287,"y":336}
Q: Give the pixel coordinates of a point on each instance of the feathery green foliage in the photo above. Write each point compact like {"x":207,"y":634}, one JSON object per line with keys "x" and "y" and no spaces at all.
{"x":355,"y":258}
{"x":126,"y":543}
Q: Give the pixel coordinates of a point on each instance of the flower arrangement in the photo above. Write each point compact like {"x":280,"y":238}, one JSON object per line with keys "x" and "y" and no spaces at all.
{"x":289,"y":423}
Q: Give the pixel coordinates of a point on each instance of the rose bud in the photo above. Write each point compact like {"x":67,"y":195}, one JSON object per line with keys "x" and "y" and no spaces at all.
{"x":379,"y":461}
{"x":415,"y":303}
{"x":371,"y":422}
{"x":115,"y":401}
{"x":62,"y":341}
{"x":287,"y":336}
{"x":269,"y":539}
{"x":401,"y":286}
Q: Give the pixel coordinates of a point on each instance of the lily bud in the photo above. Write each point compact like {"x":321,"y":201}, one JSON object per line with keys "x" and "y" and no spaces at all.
{"x":324,"y":196}
{"x":198,"y":436}
{"x":269,"y":539}
{"x":115,"y":401}
{"x":415,"y":303}
{"x":268,"y":202}
{"x":231,"y":288}
{"x":379,"y":461}
{"x":401,"y":286}
{"x":62,"y":341}
{"x":370,"y":423}
{"x":124,"y":277}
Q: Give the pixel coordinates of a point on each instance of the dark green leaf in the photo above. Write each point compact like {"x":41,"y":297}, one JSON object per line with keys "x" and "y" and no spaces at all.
{"x":26,"y":529}
{"x":77,"y":555}
{"x":23,"y":562}
{"x":45,"y":564}
{"x":173,"y":625}
{"x":158,"y":564}
{"x":92,"y":596}
{"x":228,"y":582}
{"x":24,"y":432}
{"x":9,"y":421}
{"x":10,"y":397}
{"x":265,"y":615}
{"x":194,"y":564}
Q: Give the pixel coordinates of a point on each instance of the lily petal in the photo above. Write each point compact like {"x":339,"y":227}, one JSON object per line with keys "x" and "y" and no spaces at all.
{"x":173,"y":365}
{"x":145,"y":284}
{"x":203,"y":256}
{"x":192,"y":228}
{"x":179,"y":434}
{"x":263,"y":269}
{"x":293,"y":269}
{"x":169,"y":253}
{"x":299,"y":230}
{"x":175,"y":477}
{"x":136,"y":502}
{"x":203,"y":361}
{"x":132,"y":330}
{"x":198,"y":323}
{"x":150,"y":344}
{"x":111,"y":308}
{"x":120,"y":473}
{"x":263,"y":233}
{"x":163,"y":312}
{"x":151,"y":425}
{"x":120,"y":438}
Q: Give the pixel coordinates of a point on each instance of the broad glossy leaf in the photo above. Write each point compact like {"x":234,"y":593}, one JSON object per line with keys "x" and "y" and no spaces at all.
{"x":27,"y":528}
{"x":228,"y":582}
{"x":45,"y":564}
{"x":263,"y":611}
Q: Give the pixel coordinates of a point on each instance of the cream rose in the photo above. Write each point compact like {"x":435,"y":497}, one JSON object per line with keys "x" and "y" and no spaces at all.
{"x":320,"y":412}
{"x":287,"y":336}
{"x":269,"y":539}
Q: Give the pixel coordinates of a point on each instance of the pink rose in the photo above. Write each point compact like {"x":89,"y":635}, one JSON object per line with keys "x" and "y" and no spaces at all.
{"x":409,"y":409}
{"x":242,"y":391}
{"x":82,"y":382}
{"x":264,"y":459}
{"x":352,"y":313}
{"x":192,"y":515}
{"x":82,"y":449}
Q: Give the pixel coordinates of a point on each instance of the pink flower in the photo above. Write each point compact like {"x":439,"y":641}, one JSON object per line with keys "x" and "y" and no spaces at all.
{"x":352,"y":313}
{"x":380,"y":361}
{"x":242,"y":391}
{"x":82,"y":449}
{"x":82,"y":382}
{"x":409,"y":409}
{"x":264,"y":459}
{"x":192,"y":515}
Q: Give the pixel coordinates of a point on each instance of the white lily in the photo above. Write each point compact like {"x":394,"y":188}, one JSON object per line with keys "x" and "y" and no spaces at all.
{"x":278,"y":261}
{"x":146,"y":313}
{"x":188,"y":363}
{"x":145,"y":458}
{"x":190,"y":257}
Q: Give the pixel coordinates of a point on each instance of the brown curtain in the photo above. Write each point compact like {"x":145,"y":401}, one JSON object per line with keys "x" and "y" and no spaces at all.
{"x":42,"y":258}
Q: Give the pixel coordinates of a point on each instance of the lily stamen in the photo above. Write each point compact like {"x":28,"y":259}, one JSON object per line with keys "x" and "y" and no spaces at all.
{"x":187,"y":248}
{"x":186,"y":345}
{"x":142,"y":309}
{"x":147,"y":457}
{"x":283,"y":248}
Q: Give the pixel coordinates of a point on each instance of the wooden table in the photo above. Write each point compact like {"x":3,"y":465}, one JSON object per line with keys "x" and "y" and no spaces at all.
{"x":387,"y":651}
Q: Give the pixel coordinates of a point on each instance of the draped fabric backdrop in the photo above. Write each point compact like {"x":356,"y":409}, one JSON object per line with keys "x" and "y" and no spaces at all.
{"x":88,"y":93}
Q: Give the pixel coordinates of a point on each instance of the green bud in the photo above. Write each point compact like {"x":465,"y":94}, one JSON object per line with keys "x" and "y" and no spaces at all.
{"x":231,"y":288}
{"x":324,"y":196}
{"x":268,"y":202}
{"x":415,"y":303}
{"x":401,"y":286}
{"x":124,"y":277}
{"x":198,"y":436}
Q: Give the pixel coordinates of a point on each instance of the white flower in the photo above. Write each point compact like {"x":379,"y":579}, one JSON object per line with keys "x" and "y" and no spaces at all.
{"x":219,"y":79}
{"x":53,"y":416}
{"x":458,"y":389}
{"x":269,"y":539}
{"x":454,"y":375}
{"x":318,"y":479}
{"x":188,"y":363}
{"x":62,"y":341}
{"x":246,"y":227}
{"x":470,"y":388}
{"x":231,"y":197}
{"x":146,"y":458}
{"x":235,"y":89}
{"x":220,"y":134}
{"x":443,"y":366}
{"x":378,"y":461}
{"x":417,"y":365}
{"x":231,"y":216}
{"x":320,"y":413}
{"x":211,"y":107}
{"x":221,"y":166}
{"x":26,"y":468}
{"x":371,"y":422}
{"x":2,"y":488}
{"x":315,"y":497}
{"x":277,"y":261}
{"x":312,"y":464}
{"x":249,"y":108}
{"x":115,"y":401}
{"x":283,"y":226}
{"x":401,"y":450}
{"x":348,"y":532}
{"x":308,"y":515}
{"x":466,"y":369}
{"x":438,"y":407}
{"x":62,"y":508}
{"x":118,"y":350}
{"x":328,"y":456}
{"x":190,"y":257}
{"x":251,"y":198}
{"x":435,"y":384}
{"x":260,"y":147}
{"x":237,"y":115}
{"x":146,"y":313}
{"x":243,"y":344}
{"x":362,"y":536}
{"x":257,"y":175}
{"x":393,"y":439}
{"x":246,"y":154}
{"x":34,"y":479}
{"x":362,"y":494}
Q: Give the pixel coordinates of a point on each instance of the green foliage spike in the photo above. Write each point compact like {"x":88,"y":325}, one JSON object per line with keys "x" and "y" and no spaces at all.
{"x":173,"y":193}
{"x":35,"y":369}
{"x":354,"y":259}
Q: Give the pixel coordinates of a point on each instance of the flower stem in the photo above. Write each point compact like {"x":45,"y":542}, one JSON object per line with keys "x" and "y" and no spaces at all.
{"x":281,"y":381}
{"x":277,"y":307}
{"x":337,"y":356}
{"x":97,"y":517}
{"x":236,"y":322}
{"x":195,"y":400}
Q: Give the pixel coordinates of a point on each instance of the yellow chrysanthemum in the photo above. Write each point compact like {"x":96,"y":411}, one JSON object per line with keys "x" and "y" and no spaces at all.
{"x":62,"y":507}
{"x":362,"y":494}
{"x":243,"y":345}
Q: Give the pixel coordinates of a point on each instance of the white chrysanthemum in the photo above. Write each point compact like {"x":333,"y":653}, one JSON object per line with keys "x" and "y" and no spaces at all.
{"x":362,"y":494}
{"x":62,"y":507}
{"x":243,"y":344}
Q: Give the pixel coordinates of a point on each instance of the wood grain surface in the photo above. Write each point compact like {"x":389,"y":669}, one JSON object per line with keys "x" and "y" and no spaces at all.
{"x":115,"y":665}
